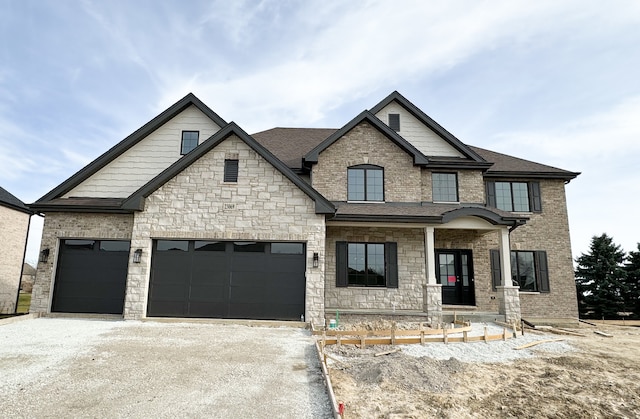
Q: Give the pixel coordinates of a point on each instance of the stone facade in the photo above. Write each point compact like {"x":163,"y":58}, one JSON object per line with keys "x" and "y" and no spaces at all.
{"x":196,"y":204}
{"x":411,"y":270}
{"x":59,"y":226}
{"x":14,"y":226}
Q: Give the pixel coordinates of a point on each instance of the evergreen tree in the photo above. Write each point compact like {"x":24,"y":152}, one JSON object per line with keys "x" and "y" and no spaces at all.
{"x":633,"y":282}
{"x":601,"y":279}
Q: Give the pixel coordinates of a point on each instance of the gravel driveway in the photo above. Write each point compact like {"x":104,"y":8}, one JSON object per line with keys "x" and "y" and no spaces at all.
{"x":53,"y":367}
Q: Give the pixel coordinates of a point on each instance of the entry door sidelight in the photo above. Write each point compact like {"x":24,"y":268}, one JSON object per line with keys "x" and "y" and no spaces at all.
{"x":455,"y":274}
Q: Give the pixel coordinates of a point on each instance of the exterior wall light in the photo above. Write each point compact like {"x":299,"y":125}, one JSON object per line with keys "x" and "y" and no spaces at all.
{"x":137,"y":256}
{"x":315,"y":259}
{"x":44,"y":255}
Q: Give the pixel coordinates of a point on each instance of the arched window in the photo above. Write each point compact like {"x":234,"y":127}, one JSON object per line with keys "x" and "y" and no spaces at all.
{"x":365,"y":182}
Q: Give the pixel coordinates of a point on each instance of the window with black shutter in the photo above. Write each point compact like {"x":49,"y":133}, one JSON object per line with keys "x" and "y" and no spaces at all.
{"x":514,"y":196}
{"x":366,"y":264}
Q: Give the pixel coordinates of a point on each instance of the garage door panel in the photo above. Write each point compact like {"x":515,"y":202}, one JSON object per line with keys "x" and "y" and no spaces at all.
{"x":233,"y":279}
{"x":208,"y":309}
{"x":168,"y":309}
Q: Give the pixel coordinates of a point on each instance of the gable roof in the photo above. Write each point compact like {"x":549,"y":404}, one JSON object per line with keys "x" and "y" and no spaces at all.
{"x":124,"y":145}
{"x":505,"y":166}
{"x":418,"y":158}
{"x":426,"y":120}
{"x":291,"y":144}
{"x":10,"y":201}
{"x":136,"y":201}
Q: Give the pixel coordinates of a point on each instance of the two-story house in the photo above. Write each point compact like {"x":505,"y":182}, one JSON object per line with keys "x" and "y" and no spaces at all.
{"x":391,"y":214}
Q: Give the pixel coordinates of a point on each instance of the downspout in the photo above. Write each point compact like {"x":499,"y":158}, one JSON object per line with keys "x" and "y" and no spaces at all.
{"x":24,"y":254}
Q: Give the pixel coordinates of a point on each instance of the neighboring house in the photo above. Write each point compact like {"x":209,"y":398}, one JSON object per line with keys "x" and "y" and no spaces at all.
{"x":391,"y":214}
{"x":14,"y":228}
{"x":28,"y":278}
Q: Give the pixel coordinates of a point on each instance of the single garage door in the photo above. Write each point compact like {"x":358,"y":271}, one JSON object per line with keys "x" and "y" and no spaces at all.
{"x":240,"y":280}
{"x":91,"y":276}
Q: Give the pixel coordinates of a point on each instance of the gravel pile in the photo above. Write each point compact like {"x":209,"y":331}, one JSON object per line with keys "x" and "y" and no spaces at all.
{"x":489,"y":352}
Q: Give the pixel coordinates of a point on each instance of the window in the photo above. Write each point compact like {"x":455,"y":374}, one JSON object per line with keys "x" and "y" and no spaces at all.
{"x":189,"y":141}
{"x":514,"y":196}
{"x":287,"y":248}
{"x":445,"y":187}
{"x":230,"y":170}
{"x":366,"y":265}
{"x":529,"y":270}
{"x":394,"y":121}
{"x":365,"y":183}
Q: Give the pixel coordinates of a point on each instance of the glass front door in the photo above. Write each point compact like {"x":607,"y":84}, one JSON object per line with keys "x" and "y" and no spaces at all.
{"x":455,"y":274}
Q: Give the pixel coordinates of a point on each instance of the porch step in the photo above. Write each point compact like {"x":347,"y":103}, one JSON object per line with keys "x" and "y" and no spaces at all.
{"x":472,"y":316}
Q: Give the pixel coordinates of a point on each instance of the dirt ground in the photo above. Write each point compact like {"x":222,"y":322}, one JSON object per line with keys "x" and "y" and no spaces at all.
{"x":596,"y":377}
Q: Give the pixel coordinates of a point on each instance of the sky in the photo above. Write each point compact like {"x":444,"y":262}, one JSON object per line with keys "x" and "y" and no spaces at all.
{"x":555,"y":82}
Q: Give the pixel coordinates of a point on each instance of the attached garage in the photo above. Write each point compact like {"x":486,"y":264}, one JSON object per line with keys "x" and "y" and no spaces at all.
{"x":91,"y":276}
{"x":220,"y":279}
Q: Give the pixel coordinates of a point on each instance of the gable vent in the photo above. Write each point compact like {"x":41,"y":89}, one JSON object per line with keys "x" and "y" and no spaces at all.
{"x":394,"y":121}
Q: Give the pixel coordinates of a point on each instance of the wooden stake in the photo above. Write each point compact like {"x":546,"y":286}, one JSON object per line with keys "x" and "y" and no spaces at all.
{"x":486,"y":335}
{"x":537,"y":342}
{"x":393,"y":351}
{"x":606,"y":335}
{"x":504,"y":334}
{"x":465,"y":336}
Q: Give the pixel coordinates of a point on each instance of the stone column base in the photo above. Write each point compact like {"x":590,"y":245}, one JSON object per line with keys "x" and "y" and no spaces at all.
{"x":509,"y":303}
{"x":432,"y":302}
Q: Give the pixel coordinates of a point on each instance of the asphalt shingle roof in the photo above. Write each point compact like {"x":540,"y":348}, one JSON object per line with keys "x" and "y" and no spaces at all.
{"x":8,"y":200}
{"x":291,"y":144}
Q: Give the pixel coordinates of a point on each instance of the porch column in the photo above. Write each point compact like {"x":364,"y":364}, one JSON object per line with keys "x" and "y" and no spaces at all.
{"x":508,"y":294}
{"x":432,"y":292}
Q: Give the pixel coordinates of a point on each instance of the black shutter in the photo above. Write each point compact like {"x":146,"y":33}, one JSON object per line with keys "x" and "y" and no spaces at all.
{"x":491,"y":194}
{"x":391,"y":264}
{"x":496,"y":271}
{"x":536,"y":200}
{"x":342,"y":279}
{"x":231,"y":170}
{"x":542,"y":271}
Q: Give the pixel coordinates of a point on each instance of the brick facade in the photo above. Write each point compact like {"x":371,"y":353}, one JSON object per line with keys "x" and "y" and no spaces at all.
{"x":366,"y":145}
{"x":14,"y":226}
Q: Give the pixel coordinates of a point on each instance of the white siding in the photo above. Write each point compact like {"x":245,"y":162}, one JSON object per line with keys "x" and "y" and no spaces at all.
{"x":142,"y":162}
{"x":414,"y":131}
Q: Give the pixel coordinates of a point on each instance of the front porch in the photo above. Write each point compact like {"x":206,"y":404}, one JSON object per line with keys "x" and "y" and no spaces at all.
{"x":441,"y":269}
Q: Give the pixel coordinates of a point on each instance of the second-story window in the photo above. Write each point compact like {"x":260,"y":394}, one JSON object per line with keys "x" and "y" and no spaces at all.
{"x":445,"y":187}
{"x":514,"y":196}
{"x":189,"y":141}
{"x":365,"y":183}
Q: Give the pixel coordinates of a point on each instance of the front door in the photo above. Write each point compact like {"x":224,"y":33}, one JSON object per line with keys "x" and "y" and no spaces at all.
{"x":455,"y":273}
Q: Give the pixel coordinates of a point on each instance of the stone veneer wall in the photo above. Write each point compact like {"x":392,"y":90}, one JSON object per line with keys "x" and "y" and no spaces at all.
{"x":14,"y":226}
{"x":58,"y":225}
{"x":366,"y":145}
{"x":411,"y":270}
{"x":549,"y":231}
{"x":263,"y":205}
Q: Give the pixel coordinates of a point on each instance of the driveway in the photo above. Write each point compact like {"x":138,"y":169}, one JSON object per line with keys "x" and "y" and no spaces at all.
{"x":55,"y":367}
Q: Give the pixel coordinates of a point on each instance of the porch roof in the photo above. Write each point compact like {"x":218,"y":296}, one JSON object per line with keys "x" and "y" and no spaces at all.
{"x":422,"y":212}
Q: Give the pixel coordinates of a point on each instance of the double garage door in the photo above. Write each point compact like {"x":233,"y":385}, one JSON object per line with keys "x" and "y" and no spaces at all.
{"x":240,"y":280}
{"x":246,"y":280}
